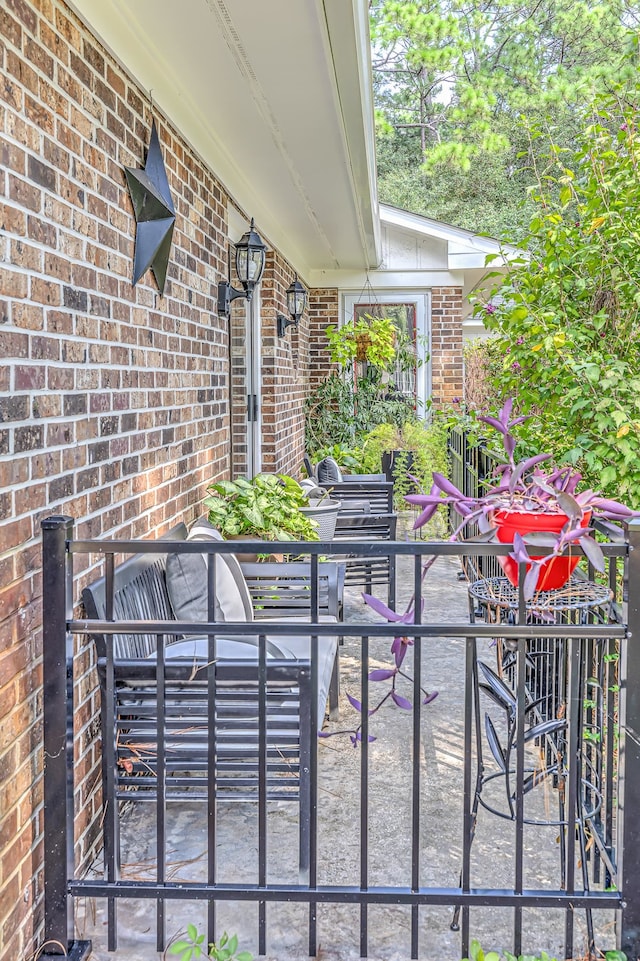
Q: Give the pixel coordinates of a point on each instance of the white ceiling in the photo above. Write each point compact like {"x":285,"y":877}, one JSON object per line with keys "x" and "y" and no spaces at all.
{"x":275,"y":96}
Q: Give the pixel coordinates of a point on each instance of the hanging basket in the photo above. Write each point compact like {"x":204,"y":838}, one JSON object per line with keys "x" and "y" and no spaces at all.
{"x":363,"y":343}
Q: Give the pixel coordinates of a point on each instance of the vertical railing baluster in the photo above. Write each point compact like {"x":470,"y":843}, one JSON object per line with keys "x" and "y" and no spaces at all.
{"x":467,"y":818}
{"x":161,"y":846}
{"x":628,"y":825}
{"x":57,"y":643}
{"x":212,"y":561}
{"x":574,"y":729}
{"x":262,"y":789}
{"x":416,"y":749}
{"x":612,"y":677}
{"x":520,"y":730}
{"x":313,"y":761}
{"x":109,"y":748}
{"x":364,"y":794}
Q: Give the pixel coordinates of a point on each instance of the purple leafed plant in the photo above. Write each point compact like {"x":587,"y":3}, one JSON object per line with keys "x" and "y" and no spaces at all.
{"x":392,"y":674}
{"x":521,"y":486}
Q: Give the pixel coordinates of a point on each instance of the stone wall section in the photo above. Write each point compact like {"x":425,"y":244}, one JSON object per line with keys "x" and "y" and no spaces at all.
{"x":446,"y":345}
{"x":113,"y":400}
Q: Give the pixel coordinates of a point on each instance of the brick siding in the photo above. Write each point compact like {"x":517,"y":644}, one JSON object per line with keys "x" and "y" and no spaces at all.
{"x":285,"y":365}
{"x":446,"y":345}
{"x":113,"y":401}
{"x":323,"y":310}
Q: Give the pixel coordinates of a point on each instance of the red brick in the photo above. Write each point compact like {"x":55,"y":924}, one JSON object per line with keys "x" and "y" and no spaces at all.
{"x":24,"y":193}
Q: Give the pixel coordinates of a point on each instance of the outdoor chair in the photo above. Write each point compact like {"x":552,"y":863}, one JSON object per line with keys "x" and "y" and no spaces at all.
{"x":366,"y":514}
{"x":328,"y":471}
{"x":146,"y":738}
{"x":373,"y":566}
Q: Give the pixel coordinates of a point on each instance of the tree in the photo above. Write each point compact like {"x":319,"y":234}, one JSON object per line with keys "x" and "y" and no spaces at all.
{"x":567,"y":318}
{"x":453,"y":77}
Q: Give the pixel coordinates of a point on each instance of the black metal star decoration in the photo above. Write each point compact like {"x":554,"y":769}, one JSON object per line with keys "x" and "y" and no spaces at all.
{"x":154,"y":212}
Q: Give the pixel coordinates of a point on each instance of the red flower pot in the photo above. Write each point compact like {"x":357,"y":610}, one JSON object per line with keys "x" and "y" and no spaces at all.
{"x":555,"y":573}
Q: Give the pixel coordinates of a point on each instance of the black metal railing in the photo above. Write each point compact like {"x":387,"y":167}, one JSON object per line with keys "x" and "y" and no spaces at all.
{"x":591,"y":769}
{"x":472,"y":465}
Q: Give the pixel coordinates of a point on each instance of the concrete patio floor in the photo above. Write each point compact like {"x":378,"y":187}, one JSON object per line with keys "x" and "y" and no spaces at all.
{"x":338,"y":831}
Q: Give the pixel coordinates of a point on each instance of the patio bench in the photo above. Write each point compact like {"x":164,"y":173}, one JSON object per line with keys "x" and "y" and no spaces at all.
{"x":147,"y":737}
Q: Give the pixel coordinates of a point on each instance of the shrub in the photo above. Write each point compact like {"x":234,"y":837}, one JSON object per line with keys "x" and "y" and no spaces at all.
{"x":423,"y":450}
{"x":567,"y":318}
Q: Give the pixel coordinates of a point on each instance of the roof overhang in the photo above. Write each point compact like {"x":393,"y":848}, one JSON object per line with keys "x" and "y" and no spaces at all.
{"x":276,"y":98}
{"x":465,"y":250}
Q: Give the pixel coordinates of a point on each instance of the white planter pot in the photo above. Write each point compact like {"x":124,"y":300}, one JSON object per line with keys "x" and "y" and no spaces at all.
{"x":325,"y":513}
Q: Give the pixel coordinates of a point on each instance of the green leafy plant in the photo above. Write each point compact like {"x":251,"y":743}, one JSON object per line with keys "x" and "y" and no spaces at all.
{"x":568,"y":315}
{"x":371,"y":339}
{"x":337,"y":414}
{"x":422,"y":450}
{"x":476,"y":953}
{"x":267,"y":508}
{"x":193,"y":947}
{"x":349,"y":459}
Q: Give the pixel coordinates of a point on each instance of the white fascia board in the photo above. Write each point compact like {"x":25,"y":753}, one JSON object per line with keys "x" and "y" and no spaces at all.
{"x":473,"y":261}
{"x":400,"y":280}
{"x":348,"y":32}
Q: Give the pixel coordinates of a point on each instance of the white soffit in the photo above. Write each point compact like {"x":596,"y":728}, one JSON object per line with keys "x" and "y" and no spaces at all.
{"x":275,"y":97}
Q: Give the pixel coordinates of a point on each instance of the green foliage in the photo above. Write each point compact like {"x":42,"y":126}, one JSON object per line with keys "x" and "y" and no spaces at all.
{"x":349,"y":459}
{"x":329,"y":415}
{"x":335,"y":413}
{"x":482,"y":366}
{"x":193,"y":947}
{"x":422,"y":447}
{"x":267,"y":508}
{"x":567,"y":318}
{"x":377,"y":335}
{"x":490,"y":198}
{"x":451,"y":79}
{"x":477,"y":954}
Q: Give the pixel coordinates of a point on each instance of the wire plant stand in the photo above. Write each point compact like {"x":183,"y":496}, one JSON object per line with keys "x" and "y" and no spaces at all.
{"x":543,"y":741}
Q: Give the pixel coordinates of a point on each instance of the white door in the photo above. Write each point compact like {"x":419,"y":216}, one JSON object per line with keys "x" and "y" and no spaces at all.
{"x":411,"y":311}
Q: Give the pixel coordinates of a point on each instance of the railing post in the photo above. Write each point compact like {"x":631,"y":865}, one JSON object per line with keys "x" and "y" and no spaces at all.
{"x":628,"y":847}
{"x":57,"y":646}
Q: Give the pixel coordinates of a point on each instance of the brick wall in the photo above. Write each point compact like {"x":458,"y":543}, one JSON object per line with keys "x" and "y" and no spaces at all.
{"x":446,"y":345}
{"x":284,"y":371}
{"x":285,"y":367}
{"x":114,"y":401}
{"x":323,"y":310}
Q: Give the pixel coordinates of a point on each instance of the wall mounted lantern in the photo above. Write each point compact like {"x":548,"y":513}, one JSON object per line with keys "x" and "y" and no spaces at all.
{"x":250,"y":256}
{"x":296,"y":303}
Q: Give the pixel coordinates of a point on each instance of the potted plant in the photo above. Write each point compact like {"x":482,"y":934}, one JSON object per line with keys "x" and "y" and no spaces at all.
{"x":530,"y":508}
{"x":269,"y":507}
{"x":369,"y":339}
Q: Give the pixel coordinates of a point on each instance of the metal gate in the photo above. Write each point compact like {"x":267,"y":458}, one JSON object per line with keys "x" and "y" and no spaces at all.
{"x":591,"y":744}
